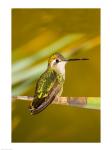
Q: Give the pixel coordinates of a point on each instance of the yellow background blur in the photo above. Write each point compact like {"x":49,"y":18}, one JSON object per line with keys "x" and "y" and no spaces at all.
{"x":36,"y":34}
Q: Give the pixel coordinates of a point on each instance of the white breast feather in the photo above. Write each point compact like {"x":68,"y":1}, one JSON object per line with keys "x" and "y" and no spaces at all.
{"x":60,"y":68}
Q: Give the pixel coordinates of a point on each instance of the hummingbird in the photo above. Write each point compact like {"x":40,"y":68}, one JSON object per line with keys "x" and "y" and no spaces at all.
{"x":50,"y":84}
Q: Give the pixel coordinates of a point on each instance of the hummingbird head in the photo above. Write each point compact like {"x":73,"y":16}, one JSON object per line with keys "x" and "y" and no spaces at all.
{"x":57,"y":62}
{"x":55,"y":59}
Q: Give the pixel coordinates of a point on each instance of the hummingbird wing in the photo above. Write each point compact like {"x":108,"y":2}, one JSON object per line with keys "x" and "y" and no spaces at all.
{"x":47,"y":88}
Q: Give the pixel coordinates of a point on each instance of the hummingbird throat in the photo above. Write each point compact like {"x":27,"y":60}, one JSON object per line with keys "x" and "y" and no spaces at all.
{"x":60,"y":68}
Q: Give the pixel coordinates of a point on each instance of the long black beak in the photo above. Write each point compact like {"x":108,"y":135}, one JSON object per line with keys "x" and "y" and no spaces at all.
{"x":77,"y":59}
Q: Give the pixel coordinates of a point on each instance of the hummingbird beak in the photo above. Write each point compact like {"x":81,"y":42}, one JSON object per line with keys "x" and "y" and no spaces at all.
{"x":76,"y":59}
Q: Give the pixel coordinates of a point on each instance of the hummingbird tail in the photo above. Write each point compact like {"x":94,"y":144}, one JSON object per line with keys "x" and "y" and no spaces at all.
{"x":38,"y":108}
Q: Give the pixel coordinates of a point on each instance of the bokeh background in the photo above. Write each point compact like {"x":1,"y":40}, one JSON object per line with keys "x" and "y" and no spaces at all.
{"x":36,"y":34}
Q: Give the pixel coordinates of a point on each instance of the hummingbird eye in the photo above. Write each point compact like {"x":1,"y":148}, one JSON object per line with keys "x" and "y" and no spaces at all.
{"x":57,"y":60}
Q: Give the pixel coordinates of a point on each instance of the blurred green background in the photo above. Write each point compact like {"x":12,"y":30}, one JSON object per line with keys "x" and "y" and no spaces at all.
{"x":36,"y":34}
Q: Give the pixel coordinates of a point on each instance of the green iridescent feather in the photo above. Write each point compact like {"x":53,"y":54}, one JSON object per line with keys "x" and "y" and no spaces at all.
{"x":46,"y":84}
